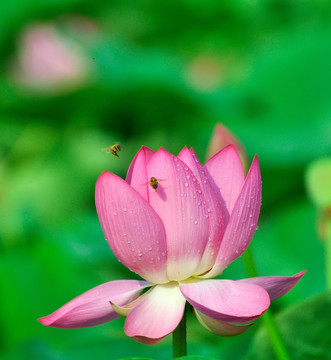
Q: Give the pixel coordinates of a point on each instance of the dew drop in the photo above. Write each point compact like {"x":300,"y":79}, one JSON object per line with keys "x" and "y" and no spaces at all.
{"x":188,"y":177}
{"x":163,"y":253}
{"x":150,"y":248}
{"x":115,"y":213}
{"x":208,"y":210}
{"x":196,"y":222}
{"x":185,"y":184}
{"x":125,"y":209}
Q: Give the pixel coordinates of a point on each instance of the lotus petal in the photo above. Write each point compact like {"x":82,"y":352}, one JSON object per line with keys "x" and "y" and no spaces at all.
{"x":93,"y":307}
{"x":218,"y":327}
{"x":226,"y":300}
{"x":157,"y":315}
{"x":181,"y":205}
{"x":132,"y":228}
{"x":276,"y":286}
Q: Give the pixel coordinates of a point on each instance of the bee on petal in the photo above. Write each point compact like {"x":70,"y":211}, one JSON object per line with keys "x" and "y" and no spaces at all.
{"x":114,"y":149}
{"x":154,"y":182}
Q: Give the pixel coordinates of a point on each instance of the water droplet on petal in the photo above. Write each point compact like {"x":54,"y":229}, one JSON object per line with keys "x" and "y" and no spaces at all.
{"x":185,"y":184}
{"x":125,"y":209}
{"x":195,"y":222}
{"x":115,"y":213}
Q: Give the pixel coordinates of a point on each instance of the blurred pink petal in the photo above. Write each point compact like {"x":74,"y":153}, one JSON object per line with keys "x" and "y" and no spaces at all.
{"x":180,"y":203}
{"x":242,"y":223}
{"x":48,"y":59}
{"x":157,"y":315}
{"x":132,"y":228}
{"x":223,"y":137}
{"x":227,"y":300}
{"x":93,"y":307}
{"x":276,"y":286}
{"x":218,"y":327}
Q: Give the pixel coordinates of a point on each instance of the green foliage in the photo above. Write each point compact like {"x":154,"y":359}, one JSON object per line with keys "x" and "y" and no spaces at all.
{"x":318,"y":180}
{"x":305,"y":330}
{"x":195,"y":358}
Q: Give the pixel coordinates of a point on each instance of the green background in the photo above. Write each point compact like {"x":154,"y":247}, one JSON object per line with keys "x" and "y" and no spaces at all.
{"x":159,"y":74}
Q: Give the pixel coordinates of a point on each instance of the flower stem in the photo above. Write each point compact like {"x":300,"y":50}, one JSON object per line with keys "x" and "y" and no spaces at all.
{"x":179,"y":346}
{"x":273,"y":332}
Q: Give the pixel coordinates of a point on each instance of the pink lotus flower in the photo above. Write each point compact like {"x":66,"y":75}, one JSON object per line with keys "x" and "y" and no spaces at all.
{"x":177,"y":237}
{"x":49,"y":61}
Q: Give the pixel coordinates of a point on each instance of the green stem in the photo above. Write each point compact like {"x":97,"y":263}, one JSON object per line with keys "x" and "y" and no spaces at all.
{"x":275,"y":336}
{"x":273,"y":332}
{"x":249,"y":263}
{"x":328,"y":253}
{"x":179,"y":347}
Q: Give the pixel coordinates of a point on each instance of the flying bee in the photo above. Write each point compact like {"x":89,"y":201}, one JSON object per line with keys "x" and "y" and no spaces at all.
{"x":154,"y":182}
{"x":114,"y":149}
